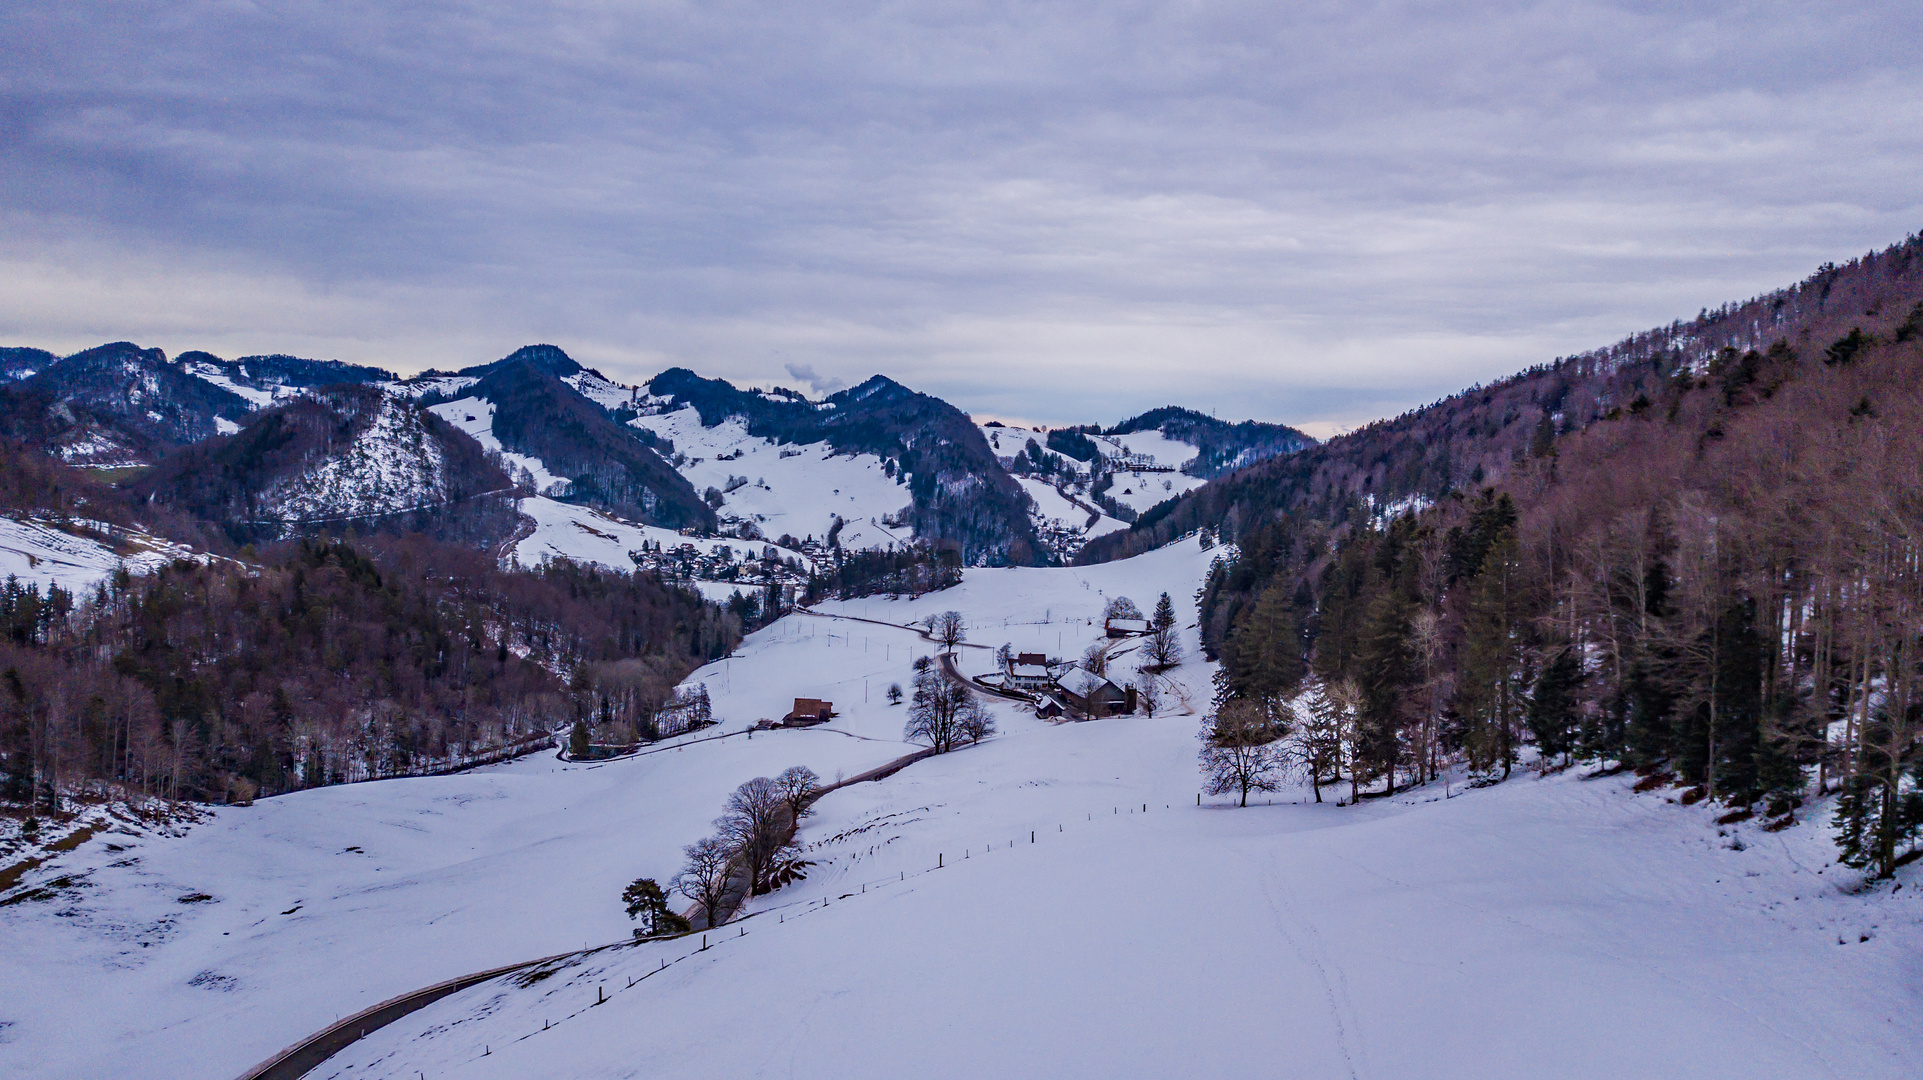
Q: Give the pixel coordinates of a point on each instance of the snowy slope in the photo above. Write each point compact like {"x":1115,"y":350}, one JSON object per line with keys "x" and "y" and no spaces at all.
{"x":1538,"y":928}
{"x":1154,"y":445}
{"x":475,"y":417}
{"x":78,"y":555}
{"x":797,"y":490}
{"x":1141,"y":490}
{"x":586,"y":535}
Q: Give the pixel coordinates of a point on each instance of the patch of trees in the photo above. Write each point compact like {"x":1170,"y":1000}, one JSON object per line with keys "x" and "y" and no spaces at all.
{"x":752,"y":850}
{"x":905,"y":571}
{"x":1717,"y":585}
{"x":326,"y":662}
{"x":235,"y":481}
{"x":1075,"y":442}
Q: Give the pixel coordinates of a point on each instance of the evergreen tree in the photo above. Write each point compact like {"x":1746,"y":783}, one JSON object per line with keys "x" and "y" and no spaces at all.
{"x":1164,"y":617}
{"x":647,"y":905}
{"x":1387,"y":673}
{"x":1552,"y":704}
{"x":1489,"y":677}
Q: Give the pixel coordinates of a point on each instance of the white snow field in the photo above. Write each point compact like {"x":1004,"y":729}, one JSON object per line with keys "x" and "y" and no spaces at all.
{"x":793,"y":489}
{"x":74,"y":556}
{"x":586,"y":535}
{"x":1538,"y":928}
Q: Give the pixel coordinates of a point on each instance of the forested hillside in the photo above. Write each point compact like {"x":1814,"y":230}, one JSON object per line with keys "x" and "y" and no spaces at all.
{"x":333,"y":459}
{"x":327,"y":661}
{"x":1695,"y":553}
{"x":1472,"y":438}
{"x":610,"y":464}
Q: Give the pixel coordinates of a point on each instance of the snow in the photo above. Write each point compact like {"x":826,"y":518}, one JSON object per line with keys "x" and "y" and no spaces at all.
{"x":79,"y":555}
{"x":1142,"y":490}
{"x":1153,"y":444}
{"x":224,"y":426}
{"x":805,"y":489}
{"x":586,"y":535}
{"x":421,"y":386}
{"x":475,"y":417}
{"x":256,"y":398}
{"x":1548,"y":926}
{"x":603,"y":392}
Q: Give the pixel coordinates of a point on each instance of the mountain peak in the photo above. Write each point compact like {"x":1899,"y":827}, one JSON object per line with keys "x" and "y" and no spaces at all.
{"x":548,"y":358}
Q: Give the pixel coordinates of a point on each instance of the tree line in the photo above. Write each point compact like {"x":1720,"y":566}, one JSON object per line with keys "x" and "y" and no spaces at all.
{"x":327,"y":661}
{"x":1719,"y":583}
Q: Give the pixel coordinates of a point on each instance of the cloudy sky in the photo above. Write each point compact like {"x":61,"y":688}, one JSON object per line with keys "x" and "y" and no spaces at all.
{"x":1315,"y":213}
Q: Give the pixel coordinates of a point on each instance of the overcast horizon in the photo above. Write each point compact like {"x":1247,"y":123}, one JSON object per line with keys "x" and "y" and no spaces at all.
{"x":1319,"y":216}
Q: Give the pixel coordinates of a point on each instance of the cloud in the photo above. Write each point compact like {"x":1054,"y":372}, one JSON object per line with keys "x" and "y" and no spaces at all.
{"x":806,"y":373}
{"x":1308,"y":212}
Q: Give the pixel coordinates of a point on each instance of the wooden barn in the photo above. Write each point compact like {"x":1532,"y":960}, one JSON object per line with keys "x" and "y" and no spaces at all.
{"x":1093,"y":695}
{"x":808,"y":712}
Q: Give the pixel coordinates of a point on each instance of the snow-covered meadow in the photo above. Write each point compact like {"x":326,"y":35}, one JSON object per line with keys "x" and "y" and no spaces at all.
{"x":794,"y":489}
{"x":1087,"y":918}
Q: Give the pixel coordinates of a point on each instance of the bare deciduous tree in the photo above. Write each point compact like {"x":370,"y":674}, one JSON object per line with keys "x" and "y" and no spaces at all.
{"x":1148,"y":692}
{"x":1239,"y":750}
{"x":754,"y":825}
{"x":975,"y":722}
{"x":704,"y":876}
{"x":948,"y":629}
{"x":798,"y":785}
{"x":1095,"y":659}
{"x":934,"y":715}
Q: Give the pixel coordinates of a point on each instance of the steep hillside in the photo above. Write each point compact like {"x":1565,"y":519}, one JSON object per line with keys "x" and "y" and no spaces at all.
{"x":18,"y":363}
{"x":959,"y":495}
{"x":604,"y":463}
{"x":1473,"y":438}
{"x":334,"y":457}
{"x":117,"y":404}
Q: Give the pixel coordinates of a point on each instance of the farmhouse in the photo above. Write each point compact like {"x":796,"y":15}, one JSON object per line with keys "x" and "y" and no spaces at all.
{"x":1121,"y":628}
{"x":808,"y":712}
{"x":1032,"y":672}
{"x":1093,"y":695}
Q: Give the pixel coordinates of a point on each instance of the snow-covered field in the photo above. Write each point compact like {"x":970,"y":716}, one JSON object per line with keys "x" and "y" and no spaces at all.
{"x":40,"y":553}
{"x":1542,"y":927}
{"x":798,"y":490}
{"x":586,"y":535}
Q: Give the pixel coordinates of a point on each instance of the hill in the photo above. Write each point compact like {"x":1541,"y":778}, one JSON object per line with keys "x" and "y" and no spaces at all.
{"x":959,"y":496}
{"x":340,"y":457}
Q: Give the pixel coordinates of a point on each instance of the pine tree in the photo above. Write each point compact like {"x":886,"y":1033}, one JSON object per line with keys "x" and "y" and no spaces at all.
{"x":1552,"y":704}
{"x":1488,"y":687}
{"x":1386,"y":670}
{"x":1164,"y":617}
{"x":647,"y":904}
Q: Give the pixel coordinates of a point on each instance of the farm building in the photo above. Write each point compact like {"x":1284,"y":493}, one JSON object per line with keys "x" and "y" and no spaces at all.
{"x":809,"y":711}
{"x":1121,"y":628}
{"x":1094,"y":695}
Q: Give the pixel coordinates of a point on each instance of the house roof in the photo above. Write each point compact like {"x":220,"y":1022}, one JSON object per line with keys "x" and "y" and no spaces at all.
{"x":1084,"y":683}
{"x":1136,"y":625}
{"x":1029,"y":671}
